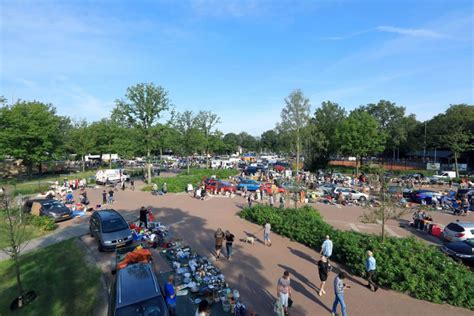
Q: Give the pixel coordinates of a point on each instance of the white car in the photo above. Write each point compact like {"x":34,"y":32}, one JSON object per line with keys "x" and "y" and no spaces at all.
{"x":459,"y":231}
{"x":356,"y":195}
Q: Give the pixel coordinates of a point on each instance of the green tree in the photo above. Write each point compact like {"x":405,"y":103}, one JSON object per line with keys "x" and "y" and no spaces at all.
{"x":190,"y":135}
{"x":391,"y":120}
{"x":294,"y":118}
{"x":207,"y":121}
{"x":247,"y":141}
{"x":79,"y":140}
{"x":32,"y":132}
{"x":141,"y":109}
{"x":322,"y":132}
{"x":270,"y":141}
{"x":359,"y":136}
{"x":231,"y":141}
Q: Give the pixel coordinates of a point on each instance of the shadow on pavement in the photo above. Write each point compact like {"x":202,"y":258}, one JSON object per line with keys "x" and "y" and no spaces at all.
{"x":303,"y":255}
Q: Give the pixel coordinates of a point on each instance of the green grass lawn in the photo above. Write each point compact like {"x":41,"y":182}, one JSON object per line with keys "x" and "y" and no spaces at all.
{"x":31,"y":232}
{"x":179,"y":183}
{"x":64,"y":283}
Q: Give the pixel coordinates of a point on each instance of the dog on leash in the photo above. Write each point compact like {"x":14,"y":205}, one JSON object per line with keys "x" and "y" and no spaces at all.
{"x":249,"y":240}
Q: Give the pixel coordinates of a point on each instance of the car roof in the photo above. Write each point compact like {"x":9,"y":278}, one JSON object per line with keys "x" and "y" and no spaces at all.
{"x":135,"y":283}
{"x":43,"y":201}
{"x":464,"y":224}
{"x":108,"y":214}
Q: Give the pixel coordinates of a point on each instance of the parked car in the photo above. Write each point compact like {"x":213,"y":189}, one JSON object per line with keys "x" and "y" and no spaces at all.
{"x":460,"y":250}
{"x":443,"y":177}
{"x":221,"y":186}
{"x":267,"y":187}
{"x":422,"y":196}
{"x":110,"y":230}
{"x":459,"y":231}
{"x":327,"y":188}
{"x":250,"y":184}
{"x":356,"y":195}
{"x":48,"y":207}
{"x":136,"y":291}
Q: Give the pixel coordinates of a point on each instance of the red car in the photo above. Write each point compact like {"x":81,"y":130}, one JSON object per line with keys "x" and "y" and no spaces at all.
{"x":267,"y":187}
{"x":279,"y":168}
{"x":220,"y":186}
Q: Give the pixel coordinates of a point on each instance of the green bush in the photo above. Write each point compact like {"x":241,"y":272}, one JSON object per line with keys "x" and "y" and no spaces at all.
{"x":180,"y":182}
{"x":43,"y":222}
{"x":403,"y":264}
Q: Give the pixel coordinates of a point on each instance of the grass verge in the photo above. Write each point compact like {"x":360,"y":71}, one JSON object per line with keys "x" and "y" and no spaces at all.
{"x":64,"y":282}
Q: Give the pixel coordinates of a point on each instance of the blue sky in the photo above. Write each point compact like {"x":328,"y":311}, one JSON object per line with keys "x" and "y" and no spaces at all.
{"x":238,"y":59}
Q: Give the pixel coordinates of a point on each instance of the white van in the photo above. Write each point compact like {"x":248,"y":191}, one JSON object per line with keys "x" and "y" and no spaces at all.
{"x":445,"y":175}
{"x":111,"y":176}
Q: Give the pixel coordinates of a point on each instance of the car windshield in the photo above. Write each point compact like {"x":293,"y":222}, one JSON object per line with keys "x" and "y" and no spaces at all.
{"x":151,"y":307}
{"x":113,"y":225}
{"x":52,"y":205}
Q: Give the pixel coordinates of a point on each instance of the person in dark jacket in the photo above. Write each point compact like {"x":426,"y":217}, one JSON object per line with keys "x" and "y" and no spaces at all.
{"x":323,"y":269}
{"x":144,"y":216}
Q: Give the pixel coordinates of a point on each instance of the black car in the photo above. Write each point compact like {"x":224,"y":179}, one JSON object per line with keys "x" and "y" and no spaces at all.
{"x":48,"y":207}
{"x":460,"y":250}
{"x":136,"y":291}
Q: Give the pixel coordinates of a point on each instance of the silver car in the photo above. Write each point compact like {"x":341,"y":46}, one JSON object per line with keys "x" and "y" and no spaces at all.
{"x":110,"y":229}
{"x":459,"y":231}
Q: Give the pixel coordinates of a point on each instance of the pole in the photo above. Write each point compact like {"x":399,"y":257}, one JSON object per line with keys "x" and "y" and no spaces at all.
{"x":424,"y":146}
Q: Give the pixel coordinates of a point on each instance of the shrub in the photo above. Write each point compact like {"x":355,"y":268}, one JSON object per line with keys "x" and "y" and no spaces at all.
{"x":403,"y":264}
{"x":43,"y":222}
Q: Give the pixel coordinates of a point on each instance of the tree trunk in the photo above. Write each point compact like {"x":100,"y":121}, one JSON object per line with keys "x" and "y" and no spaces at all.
{"x":357,"y":166}
{"x":187,"y":163}
{"x":18,"y":278}
{"x":456,"y":164}
{"x":83,"y":163}
{"x":149,"y":166}
{"x":297,"y":151}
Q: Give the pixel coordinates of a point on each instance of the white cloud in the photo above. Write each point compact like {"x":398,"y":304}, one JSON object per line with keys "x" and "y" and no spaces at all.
{"x":410,"y":32}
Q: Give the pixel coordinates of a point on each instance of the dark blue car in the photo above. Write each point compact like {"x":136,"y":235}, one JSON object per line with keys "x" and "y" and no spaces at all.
{"x":418,"y":196}
{"x":460,"y":250}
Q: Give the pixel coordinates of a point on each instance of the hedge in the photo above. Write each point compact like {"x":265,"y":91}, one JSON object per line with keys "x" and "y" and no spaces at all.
{"x":403,"y":264}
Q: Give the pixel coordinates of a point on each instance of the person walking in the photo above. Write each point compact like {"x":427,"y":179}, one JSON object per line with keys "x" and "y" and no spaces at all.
{"x":132,"y":185}
{"x":271,"y":200}
{"x":104,"y":197}
{"x":111,"y":196}
{"x":229,"y":240}
{"x":219,"y":239}
{"x":249,"y":200}
{"x":123,"y":185}
{"x":284,"y":290}
{"x":266,"y":233}
{"x":326,"y":248}
{"x":339,"y":287}
{"x":370,"y":267}
{"x":170,"y":295}
{"x":323,"y":269}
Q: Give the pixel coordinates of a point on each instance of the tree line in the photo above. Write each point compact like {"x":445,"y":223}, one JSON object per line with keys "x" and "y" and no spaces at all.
{"x":33,"y":131}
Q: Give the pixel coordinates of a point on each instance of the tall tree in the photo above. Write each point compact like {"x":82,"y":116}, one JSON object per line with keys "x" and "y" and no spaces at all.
{"x":231,"y":140}
{"x":294,"y":118}
{"x":141,"y":109}
{"x":391,"y":118}
{"x":247,"y":141}
{"x":359,"y":136}
{"x":269,"y":140}
{"x":30,"y":131}
{"x":207,"y":121}
{"x":323,"y":125}
{"x":191,"y":136}
{"x":79,"y":140}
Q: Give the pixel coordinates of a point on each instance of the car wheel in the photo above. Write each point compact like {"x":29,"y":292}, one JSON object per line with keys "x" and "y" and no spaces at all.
{"x":100,"y":247}
{"x":90,"y":232}
{"x":362,"y":199}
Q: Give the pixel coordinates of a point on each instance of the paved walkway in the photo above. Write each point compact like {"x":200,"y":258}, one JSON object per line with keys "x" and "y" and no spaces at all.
{"x":255,"y":269}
